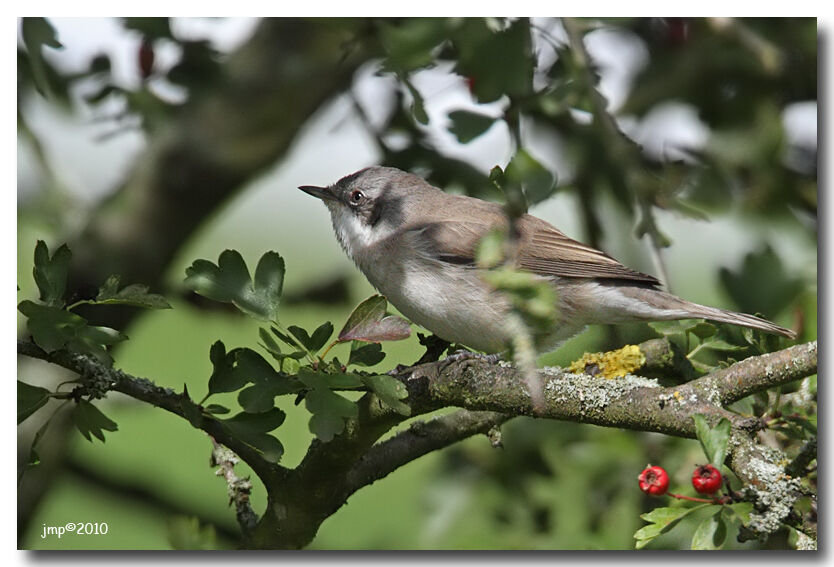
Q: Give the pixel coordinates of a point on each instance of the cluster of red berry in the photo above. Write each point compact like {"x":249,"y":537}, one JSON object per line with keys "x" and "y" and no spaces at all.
{"x":654,"y":480}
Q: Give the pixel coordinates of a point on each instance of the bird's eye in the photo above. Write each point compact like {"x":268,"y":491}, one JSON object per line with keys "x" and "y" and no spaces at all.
{"x":356,"y":197}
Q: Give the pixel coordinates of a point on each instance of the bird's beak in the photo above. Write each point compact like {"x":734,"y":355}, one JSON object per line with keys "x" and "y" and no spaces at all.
{"x":323,"y":193}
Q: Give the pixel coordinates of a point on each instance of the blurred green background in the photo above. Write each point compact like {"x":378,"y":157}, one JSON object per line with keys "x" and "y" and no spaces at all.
{"x":725,"y":112}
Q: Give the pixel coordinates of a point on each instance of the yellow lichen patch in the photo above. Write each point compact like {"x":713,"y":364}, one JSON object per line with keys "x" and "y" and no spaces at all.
{"x":612,"y":364}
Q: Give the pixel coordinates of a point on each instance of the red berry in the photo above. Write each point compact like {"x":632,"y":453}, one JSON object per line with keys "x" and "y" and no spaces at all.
{"x":706,"y":479}
{"x":654,"y":480}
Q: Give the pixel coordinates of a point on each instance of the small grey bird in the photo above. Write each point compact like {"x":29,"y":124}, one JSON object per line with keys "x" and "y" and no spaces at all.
{"x":416,"y":245}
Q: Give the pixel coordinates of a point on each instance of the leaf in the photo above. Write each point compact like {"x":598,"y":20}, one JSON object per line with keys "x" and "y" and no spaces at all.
{"x":365,"y":355}
{"x":51,"y":273}
{"x":722,"y":345}
{"x":711,"y":533}
{"x":409,"y":43}
{"x":260,"y":397}
{"x":223,"y":376}
{"x":38,"y":33}
{"x":418,"y":108}
{"x":328,"y":381}
{"x":90,"y":421}
{"x":228,"y":281}
{"x":466,"y":125}
{"x":713,"y":440}
{"x":135,"y":294}
{"x":216,"y":409}
{"x":491,"y":249}
{"x":703,"y":330}
{"x":30,"y":399}
{"x":390,"y":391}
{"x":661,"y":520}
{"x":368,"y":323}
{"x":253,"y":429}
{"x":524,"y":170}
{"x":762,"y":284}
{"x":317,"y":340}
{"x":329,"y":411}
{"x":53,"y":329}
{"x":499,"y":62}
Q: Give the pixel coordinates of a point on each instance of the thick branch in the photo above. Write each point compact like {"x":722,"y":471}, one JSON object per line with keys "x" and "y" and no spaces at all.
{"x":419,"y":439}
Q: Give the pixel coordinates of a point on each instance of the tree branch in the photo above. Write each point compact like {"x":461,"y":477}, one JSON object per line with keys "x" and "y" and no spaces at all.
{"x":164,"y":398}
{"x":419,"y":439}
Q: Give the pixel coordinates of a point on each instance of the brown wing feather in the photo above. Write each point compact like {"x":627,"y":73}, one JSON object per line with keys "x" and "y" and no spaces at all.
{"x":547,"y":251}
{"x":543,"y":249}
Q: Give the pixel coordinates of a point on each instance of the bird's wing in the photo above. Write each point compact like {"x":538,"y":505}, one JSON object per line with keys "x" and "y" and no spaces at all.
{"x":542,"y":249}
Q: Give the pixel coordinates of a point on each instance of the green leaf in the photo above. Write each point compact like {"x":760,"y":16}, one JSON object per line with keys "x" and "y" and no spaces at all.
{"x":369,"y":323}
{"x":762,"y":284}
{"x":329,"y":411}
{"x":136,"y":295}
{"x":253,"y":429}
{"x":491,"y":249}
{"x":260,"y":397}
{"x":703,"y":330}
{"x":38,"y":33}
{"x":90,"y":421}
{"x":216,"y":409}
{"x":317,"y":340}
{"x":30,"y":399}
{"x":323,"y":380}
{"x":186,"y":533}
{"x":722,"y":345}
{"x":365,"y":355}
{"x":223,"y":377}
{"x":524,"y":170}
{"x":418,"y":108}
{"x":661,"y":520}
{"x":229,"y":282}
{"x":51,"y":273}
{"x":53,"y":329}
{"x":390,"y":391}
{"x":409,"y":43}
{"x":499,"y":62}
{"x":466,"y":125}
{"x":711,"y":533}
{"x":713,"y":440}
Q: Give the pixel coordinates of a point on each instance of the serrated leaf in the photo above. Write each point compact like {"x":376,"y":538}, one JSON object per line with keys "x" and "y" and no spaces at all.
{"x":390,"y":391}
{"x":135,"y":294}
{"x":711,"y":533}
{"x":91,"y":422}
{"x":369,"y":323}
{"x":466,"y":125}
{"x":329,"y":411}
{"x":30,"y":399}
{"x":714,"y":440}
{"x":326,"y":380}
{"x":54,"y":329}
{"x":229,"y":282}
{"x":51,"y":273}
{"x":365,"y":354}
{"x":253,"y":429}
{"x":661,"y":520}
{"x":223,"y":376}
{"x":260,"y":397}
{"x":317,"y":340}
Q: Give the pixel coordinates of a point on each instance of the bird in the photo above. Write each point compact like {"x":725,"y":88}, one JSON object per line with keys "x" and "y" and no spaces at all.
{"x":417,"y":244}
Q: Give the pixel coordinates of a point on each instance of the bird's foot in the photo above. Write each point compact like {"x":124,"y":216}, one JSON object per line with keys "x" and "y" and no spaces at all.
{"x":463,"y":354}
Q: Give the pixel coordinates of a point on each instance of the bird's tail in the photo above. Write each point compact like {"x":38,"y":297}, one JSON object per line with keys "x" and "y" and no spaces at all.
{"x":669,"y":307}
